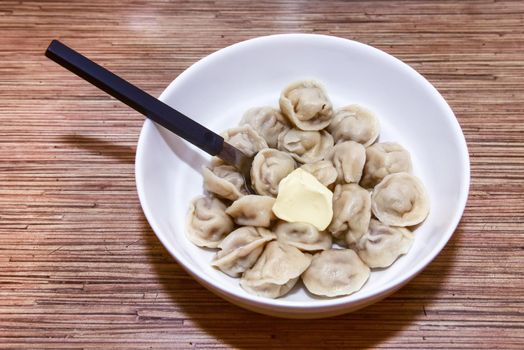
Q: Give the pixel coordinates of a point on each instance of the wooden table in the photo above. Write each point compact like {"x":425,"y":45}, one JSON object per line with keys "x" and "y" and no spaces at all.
{"x":81,"y":268}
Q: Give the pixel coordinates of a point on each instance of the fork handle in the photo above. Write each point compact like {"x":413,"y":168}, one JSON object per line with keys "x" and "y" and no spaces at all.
{"x":139,"y":100}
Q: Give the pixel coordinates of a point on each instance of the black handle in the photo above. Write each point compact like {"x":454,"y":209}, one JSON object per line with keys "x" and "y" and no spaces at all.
{"x":135,"y":98}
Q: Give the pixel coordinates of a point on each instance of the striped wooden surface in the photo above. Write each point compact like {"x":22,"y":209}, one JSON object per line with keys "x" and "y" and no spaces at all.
{"x":79,"y":265}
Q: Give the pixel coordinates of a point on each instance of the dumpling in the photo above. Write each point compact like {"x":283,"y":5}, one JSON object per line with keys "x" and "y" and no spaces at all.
{"x":305,"y":146}
{"x":215,"y":161}
{"x":354,"y":123}
{"x":383,"y":244}
{"x":224,"y":181}
{"x":383,"y":159}
{"x":335,"y":272}
{"x":207,"y":222}
{"x":276,"y":270}
{"x":241,"y":249}
{"x":306,"y":105}
{"x":268,"y":168}
{"x":304,"y":236}
{"x":246,"y":139}
{"x":348,"y":158}
{"x":400,"y":200}
{"x":351,"y":213}
{"x":268,"y":122}
{"x":324,"y":171}
{"x":252,"y":210}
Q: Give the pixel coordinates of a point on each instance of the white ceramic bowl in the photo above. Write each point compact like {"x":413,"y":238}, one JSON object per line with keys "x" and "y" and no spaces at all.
{"x":216,"y":90}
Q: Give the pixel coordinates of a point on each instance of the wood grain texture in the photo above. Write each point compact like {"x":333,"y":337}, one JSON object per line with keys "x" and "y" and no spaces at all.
{"x":79,"y":265}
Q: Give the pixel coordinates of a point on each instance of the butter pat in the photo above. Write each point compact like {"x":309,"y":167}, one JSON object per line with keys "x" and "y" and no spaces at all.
{"x":302,"y":198}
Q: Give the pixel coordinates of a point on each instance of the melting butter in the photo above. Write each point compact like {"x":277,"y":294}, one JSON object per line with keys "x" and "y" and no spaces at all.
{"x":302,"y":198}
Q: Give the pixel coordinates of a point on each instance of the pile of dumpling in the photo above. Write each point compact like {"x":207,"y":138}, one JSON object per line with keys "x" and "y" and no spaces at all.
{"x":375,"y":198}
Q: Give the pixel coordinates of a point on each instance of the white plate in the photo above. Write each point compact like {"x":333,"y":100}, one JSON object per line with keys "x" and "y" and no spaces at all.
{"x":216,"y":90}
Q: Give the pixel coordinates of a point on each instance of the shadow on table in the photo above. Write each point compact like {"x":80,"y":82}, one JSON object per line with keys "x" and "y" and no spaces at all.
{"x":240,"y":328}
{"x":99,"y":146}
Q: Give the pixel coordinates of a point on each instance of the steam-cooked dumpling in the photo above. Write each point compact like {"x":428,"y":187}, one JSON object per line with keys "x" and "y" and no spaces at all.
{"x":302,"y":235}
{"x":305,"y":146}
{"x":348,"y":158}
{"x":351,"y":212}
{"x":268,"y":168}
{"x":323,"y":170}
{"x":383,"y":159}
{"x":245,"y":138}
{"x":306,"y":105}
{"x":241,"y":249}
{"x":225,"y":181}
{"x":207,"y":222}
{"x":252,"y":210}
{"x":268,"y":122}
{"x":383,"y":244}
{"x":354,"y":123}
{"x":400,"y":200}
{"x":276,"y":271}
{"x":215,"y":161}
{"x":335,"y":272}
